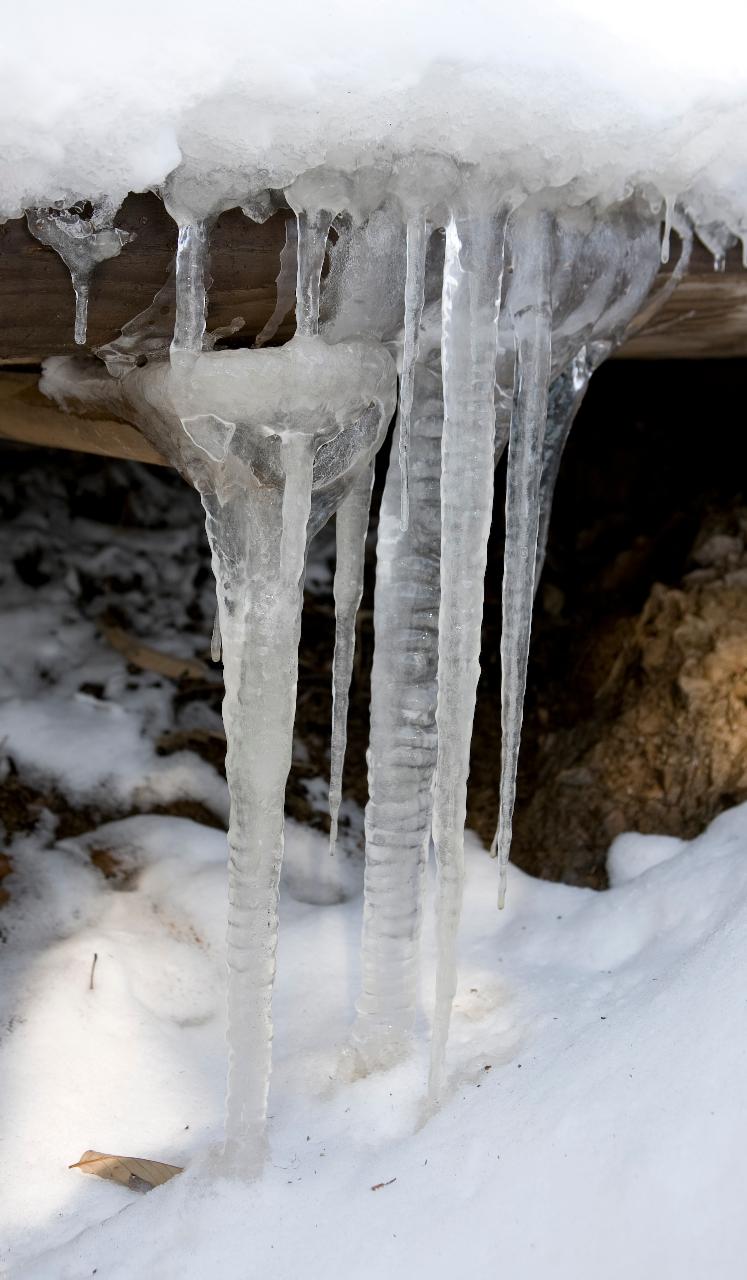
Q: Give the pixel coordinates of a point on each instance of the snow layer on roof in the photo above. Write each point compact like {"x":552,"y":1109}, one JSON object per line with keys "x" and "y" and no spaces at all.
{"x":101,"y":100}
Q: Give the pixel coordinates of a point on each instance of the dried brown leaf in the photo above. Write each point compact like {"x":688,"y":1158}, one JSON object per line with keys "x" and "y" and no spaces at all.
{"x":6,"y":867}
{"x":148,"y":659}
{"x":128,"y":1171}
{"x":107,"y":863}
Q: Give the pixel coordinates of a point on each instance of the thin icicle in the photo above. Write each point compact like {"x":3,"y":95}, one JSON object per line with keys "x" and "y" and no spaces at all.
{"x":473,"y":268}
{"x":81,"y":286}
{"x":216,"y":646}
{"x":191,"y":284}
{"x":532,"y":322}
{"x":285,"y":284}
{"x":669,"y":205}
{"x":350,"y":532}
{"x":417,"y":244}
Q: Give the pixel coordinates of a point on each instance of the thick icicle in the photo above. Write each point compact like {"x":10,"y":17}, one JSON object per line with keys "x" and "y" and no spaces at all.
{"x":402,"y":750}
{"x":417,"y":244}
{"x":258,"y":556}
{"x":258,"y":459}
{"x":191,"y":284}
{"x":532,"y":322}
{"x":473,"y":269}
{"x":82,"y":243}
{"x":350,"y":533}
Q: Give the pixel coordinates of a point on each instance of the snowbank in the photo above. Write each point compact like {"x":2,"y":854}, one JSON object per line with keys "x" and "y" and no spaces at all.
{"x":595,"y":1118}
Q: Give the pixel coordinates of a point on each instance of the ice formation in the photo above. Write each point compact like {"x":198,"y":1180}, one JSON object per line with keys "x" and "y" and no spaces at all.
{"x":498,"y":321}
{"x":489,"y":197}
{"x":82,"y":241}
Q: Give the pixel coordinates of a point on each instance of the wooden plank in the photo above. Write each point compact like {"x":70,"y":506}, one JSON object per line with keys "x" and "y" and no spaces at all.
{"x":27,"y":417}
{"x":36,"y":296}
{"x":705,"y":317}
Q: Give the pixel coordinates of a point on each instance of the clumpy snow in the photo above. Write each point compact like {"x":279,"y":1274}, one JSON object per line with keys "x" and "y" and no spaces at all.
{"x":592,"y":1114}
{"x":61,"y":683}
{"x":547,"y":91}
{"x":592,"y":1124}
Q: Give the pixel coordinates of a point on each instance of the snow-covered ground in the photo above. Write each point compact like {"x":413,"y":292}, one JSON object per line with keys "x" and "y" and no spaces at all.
{"x":596,"y":1119}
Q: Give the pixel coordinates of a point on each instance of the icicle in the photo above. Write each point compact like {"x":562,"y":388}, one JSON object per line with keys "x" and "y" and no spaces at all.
{"x":259,"y":549}
{"x":81,"y":288}
{"x":473,"y":269}
{"x":82,"y":243}
{"x":191,"y":270}
{"x":564,"y":402}
{"x":350,"y":532}
{"x":532,"y":321}
{"x":718,"y":240}
{"x":316,"y":197}
{"x":417,"y":243}
{"x":215,"y":640}
{"x":402,"y":751}
{"x":259,"y":433}
{"x":285,"y":284}
{"x":669,"y":204}
{"x":313,"y":229}
{"x":298,"y":462}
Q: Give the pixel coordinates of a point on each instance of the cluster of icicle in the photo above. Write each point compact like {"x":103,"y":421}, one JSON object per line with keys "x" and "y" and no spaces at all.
{"x":495,"y":309}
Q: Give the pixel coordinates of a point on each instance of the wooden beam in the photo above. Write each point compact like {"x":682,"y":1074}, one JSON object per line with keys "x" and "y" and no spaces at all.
{"x":36,"y":297}
{"x":27,"y":417}
{"x":706,"y":316}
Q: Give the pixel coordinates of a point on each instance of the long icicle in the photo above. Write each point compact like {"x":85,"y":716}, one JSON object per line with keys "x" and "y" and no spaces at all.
{"x":473,"y":271}
{"x":350,"y":533}
{"x":417,"y":244}
{"x":260,"y":624}
{"x":532,"y":323}
{"x":402,"y":751}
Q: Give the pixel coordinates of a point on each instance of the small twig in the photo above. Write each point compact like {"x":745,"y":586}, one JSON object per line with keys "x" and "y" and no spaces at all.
{"x":93,"y":966}
{"x":378,"y":1185}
